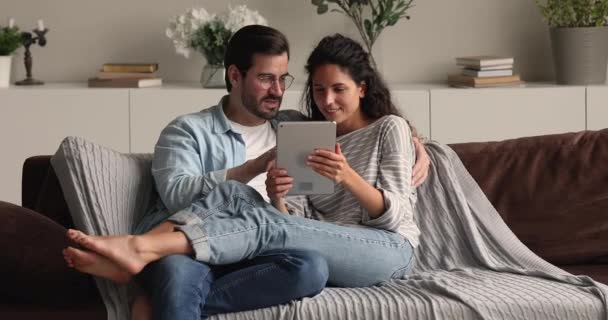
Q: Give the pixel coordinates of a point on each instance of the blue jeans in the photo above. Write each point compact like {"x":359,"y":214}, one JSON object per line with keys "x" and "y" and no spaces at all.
{"x":180,"y":287}
{"x":233,"y":223}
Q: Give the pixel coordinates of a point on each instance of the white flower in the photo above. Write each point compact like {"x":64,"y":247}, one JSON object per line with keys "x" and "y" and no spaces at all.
{"x":241,"y":16}
{"x":182,"y":27}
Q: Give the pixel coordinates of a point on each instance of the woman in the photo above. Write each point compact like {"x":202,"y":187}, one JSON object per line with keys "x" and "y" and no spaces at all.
{"x":367,"y":233}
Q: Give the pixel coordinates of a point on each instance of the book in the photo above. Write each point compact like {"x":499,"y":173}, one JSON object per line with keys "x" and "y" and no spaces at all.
{"x":129,"y":75}
{"x":487,"y":73}
{"x":484,"y":61}
{"x":130,"y":67}
{"x":462,"y":80}
{"x":125,"y":83}
{"x":515,"y":84}
{"x":497,"y":67}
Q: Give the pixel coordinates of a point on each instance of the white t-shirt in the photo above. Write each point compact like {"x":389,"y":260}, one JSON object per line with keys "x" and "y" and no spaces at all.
{"x":258,"y":140}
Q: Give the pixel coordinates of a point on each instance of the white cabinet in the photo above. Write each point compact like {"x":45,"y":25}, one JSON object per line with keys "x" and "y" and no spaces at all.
{"x":153,"y":108}
{"x":470,"y":115}
{"x":292,"y":100}
{"x":414,"y":105}
{"x":33,"y":121}
{"x":597,"y":107}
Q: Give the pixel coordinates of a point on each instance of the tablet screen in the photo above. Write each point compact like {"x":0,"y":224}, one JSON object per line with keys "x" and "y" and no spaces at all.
{"x":296,"y":140}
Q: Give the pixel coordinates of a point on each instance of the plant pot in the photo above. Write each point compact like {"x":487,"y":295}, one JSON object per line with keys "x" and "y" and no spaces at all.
{"x":580,"y":55}
{"x":212,"y":76}
{"x":5,"y":71}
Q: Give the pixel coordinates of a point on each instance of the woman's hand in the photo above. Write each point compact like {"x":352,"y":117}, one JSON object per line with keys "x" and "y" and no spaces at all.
{"x":421,"y":168}
{"x":332,"y":165}
{"x":278,"y":183}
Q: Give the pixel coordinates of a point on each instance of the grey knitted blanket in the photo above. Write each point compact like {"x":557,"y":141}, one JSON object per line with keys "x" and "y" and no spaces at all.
{"x":469,"y":265}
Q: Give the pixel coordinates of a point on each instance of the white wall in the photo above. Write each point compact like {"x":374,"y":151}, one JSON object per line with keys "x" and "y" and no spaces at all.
{"x":85,"y":34}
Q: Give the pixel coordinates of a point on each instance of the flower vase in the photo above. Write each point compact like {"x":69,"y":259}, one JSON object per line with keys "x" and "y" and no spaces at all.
{"x":212,"y":76}
{"x":5,"y":71}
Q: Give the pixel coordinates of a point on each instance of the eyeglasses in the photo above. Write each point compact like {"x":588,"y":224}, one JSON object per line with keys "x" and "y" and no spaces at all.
{"x":268,"y":80}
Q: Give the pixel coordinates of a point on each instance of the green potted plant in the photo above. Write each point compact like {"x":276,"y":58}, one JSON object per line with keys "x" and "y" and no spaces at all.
{"x":579,"y":39}
{"x":369,"y":16}
{"x":10,"y":41}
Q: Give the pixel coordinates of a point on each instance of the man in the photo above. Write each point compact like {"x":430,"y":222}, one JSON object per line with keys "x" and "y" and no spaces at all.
{"x":230,"y":141}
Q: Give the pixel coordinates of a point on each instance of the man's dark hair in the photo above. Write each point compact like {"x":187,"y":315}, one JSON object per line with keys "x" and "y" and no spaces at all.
{"x":250,"y":40}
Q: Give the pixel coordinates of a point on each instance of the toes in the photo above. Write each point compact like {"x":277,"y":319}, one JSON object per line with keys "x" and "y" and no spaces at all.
{"x":73,"y":252}
{"x":71,"y":233}
{"x":77,"y":257}
{"x":66,"y":253}
{"x":80,"y":238}
{"x":76,"y":235}
{"x":67,"y":258}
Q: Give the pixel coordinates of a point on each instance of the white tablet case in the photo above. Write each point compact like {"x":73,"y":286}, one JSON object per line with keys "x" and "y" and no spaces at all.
{"x":296,"y":140}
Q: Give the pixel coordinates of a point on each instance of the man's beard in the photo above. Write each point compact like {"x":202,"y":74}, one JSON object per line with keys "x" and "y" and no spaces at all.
{"x":255,"y":108}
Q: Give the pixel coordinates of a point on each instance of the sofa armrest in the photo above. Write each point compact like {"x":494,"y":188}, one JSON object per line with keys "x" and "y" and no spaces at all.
{"x":32,"y":265}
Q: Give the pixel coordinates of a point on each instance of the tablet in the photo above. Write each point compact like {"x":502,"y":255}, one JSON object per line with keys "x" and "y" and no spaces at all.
{"x":296,"y":140}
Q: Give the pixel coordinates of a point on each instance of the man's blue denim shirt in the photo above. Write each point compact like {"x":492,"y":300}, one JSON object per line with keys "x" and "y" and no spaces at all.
{"x":192,"y":156}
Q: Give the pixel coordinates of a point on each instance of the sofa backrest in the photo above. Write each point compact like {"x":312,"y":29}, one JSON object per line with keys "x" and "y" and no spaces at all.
{"x":40,"y":191}
{"x":551,"y":190}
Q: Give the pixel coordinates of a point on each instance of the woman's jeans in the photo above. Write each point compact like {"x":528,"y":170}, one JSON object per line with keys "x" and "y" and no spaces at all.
{"x":180,"y":287}
{"x":233,"y":223}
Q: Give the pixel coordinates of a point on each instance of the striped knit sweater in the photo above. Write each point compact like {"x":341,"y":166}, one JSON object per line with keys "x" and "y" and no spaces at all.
{"x":383,"y":154}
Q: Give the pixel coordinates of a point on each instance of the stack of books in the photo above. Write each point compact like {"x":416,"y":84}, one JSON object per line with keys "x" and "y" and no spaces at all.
{"x":127,"y":75}
{"x":485,"y":72}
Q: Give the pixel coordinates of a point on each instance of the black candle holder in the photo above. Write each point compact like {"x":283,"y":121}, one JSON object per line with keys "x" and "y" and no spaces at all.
{"x":28,"y":39}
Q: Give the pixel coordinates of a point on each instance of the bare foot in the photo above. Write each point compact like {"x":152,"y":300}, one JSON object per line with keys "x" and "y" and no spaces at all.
{"x":121,"y":250}
{"x":95,"y":264}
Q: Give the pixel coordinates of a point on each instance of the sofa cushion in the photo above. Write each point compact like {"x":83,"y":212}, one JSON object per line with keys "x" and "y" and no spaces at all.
{"x":32,"y":264}
{"x":551,"y":190}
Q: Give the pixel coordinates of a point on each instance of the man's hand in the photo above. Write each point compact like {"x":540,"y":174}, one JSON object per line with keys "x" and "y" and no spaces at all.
{"x":252,"y":168}
{"x":264,"y":161}
{"x":421,"y":168}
